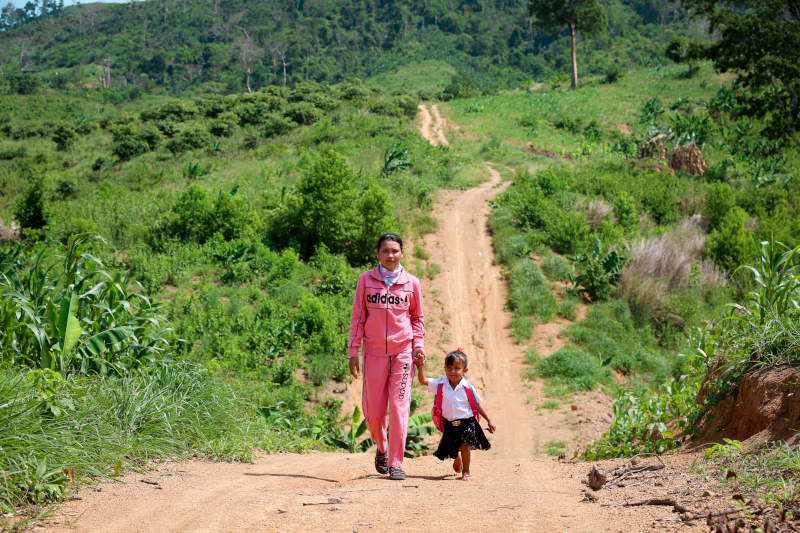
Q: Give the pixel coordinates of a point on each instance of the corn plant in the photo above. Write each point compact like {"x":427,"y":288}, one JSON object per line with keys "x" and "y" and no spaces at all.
{"x":778,"y":284}
{"x":64,"y":312}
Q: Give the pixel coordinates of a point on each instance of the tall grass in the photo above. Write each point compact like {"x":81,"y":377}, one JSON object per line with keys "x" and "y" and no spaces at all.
{"x":660,"y":265}
{"x":52,"y":424}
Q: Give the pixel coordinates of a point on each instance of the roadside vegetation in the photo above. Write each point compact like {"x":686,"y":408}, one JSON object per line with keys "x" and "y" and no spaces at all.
{"x":177,"y":275}
{"x":652,"y":239}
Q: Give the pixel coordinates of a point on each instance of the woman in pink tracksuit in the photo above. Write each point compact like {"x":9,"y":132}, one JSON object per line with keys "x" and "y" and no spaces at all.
{"x":387,"y":318}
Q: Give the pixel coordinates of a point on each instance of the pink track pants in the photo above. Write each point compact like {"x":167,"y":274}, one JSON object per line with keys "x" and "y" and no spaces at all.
{"x":387,"y":381}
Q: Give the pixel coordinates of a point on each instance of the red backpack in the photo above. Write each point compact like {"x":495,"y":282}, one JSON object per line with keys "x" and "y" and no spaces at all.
{"x":436,"y":411}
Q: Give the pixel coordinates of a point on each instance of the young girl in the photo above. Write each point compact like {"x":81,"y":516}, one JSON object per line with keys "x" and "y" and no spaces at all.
{"x":462,"y":432}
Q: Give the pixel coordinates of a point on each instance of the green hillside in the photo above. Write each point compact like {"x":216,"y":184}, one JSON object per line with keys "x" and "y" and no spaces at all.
{"x":210,"y":46}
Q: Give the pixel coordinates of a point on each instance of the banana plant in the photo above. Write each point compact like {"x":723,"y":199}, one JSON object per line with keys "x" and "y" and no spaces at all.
{"x":345,"y":440}
{"x":417,"y":430}
{"x":599,"y":272}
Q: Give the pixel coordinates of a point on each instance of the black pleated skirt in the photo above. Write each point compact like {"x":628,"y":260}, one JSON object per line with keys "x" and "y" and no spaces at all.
{"x":468,"y":432}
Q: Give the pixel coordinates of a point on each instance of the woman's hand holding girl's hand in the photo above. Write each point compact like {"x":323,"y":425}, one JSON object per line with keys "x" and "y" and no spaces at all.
{"x":354,"y":366}
{"x":419,"y":356}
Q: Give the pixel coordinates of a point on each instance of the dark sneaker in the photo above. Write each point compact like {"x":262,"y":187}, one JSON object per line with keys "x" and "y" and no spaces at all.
{"x":381,"y":463}
{"x":397,"y":473}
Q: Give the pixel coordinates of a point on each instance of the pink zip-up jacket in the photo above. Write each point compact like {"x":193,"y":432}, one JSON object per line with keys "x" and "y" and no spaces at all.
{"x":388,"y":321}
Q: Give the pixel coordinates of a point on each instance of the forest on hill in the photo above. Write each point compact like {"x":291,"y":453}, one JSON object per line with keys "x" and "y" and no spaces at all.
{"x":226,"y":46}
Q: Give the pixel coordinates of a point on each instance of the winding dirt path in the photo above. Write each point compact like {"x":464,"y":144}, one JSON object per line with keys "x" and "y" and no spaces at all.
{"x":432,"y":129}
{"x":515,"y":488}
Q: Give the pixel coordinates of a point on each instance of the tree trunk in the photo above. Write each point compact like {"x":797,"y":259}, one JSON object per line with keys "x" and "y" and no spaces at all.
{"x":283,"y":58}
{"x":248,"y":81}
{"x":574,"y":84}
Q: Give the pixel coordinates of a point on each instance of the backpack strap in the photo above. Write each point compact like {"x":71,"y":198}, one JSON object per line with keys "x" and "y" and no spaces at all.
{"x":471,"y":397}
{"x":437,"y":402}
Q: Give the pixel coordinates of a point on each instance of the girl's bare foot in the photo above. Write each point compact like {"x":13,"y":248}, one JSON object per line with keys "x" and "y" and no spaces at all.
{"x":466,"y":477}
{"x":457,"y":465}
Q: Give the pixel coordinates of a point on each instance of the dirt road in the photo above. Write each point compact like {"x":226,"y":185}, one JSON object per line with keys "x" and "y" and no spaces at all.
{"x":515,"y":488}
{"x":432,"y":128}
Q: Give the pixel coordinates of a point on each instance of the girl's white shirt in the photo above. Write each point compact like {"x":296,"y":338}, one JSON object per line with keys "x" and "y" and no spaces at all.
{"x":455,"y":404}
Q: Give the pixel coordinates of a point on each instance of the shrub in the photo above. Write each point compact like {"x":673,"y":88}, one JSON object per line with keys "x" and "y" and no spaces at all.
{"x":251,"y":141}
{"x":224,"y":125}
{"x":528,"y":206}
{"x":614,"y":74}
{"x":302,"y":113}
{"x":571,"y":124}
{"x":150,"y":134}
{"x":551,"y":181}
{"x":13,"y":153}
{"x":252,"y":112}
{"x":407,"y":105}
{"x":720,"y":199}
{"x":129,"y":147}
{"x":375,"y":208}
{"x":193,"y":136}
{"x":85,"y":126}
{"x":213,"y":105}
{"x":659,"y":200}
{"x":120,"y":119}
{"x":67,"y":188}
{"x":31,"y":209}
{"x":327,"y":211}
{"x":24,"y":83}
{"x":196,"y":217}
{"x":731,"y":245}
{"x":169,"y":128}
{"x":64,"y":137}
{"x":571,"y":366}
{"x":568,"y":233}
{"x":353,"y":89}
{"x":626,"y":211}
{"x":102,"y":162}
{"x":276,"y":125}
{"x":178,"y":111}
{"x":386,"y":107}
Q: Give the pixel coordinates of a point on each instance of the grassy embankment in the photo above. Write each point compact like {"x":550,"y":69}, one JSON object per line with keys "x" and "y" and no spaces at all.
{"x":580,"y":180}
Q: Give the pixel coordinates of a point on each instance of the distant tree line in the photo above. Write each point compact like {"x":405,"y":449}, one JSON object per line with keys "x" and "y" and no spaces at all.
{"x":238,"y":45}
